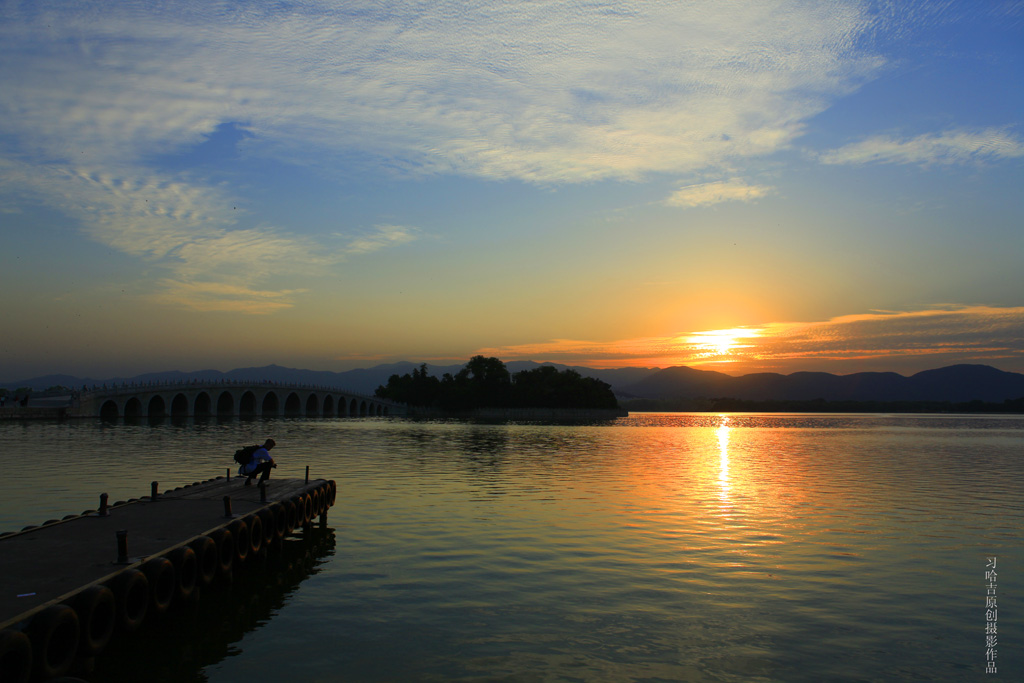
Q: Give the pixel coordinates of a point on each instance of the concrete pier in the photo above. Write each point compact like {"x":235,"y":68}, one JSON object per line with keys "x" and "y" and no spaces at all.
{"x":68,"y":583}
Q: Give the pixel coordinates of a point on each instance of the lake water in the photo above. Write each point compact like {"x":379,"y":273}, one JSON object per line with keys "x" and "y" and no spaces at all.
{"x":658,"y":547}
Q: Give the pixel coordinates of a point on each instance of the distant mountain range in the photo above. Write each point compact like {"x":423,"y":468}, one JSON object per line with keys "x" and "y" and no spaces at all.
{"x":956,"y":383}
{"x":363,"y":380}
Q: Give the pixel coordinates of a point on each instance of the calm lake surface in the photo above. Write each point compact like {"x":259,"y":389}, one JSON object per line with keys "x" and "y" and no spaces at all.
{"x":658,"y":547}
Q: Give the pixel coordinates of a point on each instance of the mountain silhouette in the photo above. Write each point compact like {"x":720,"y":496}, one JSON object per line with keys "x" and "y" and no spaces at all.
{"x":956,"y":383}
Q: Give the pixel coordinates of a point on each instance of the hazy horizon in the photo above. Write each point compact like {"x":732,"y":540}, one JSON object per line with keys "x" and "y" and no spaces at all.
{"x":12,"y":381}
{"x":742,"y":187}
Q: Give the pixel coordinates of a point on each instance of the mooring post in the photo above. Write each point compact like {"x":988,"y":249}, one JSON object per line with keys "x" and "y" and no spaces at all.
{"x":229,"y":473}
{"x":103,"y":504}
{"x":122,"y":546}
{"x":263,"y":492}
{"x":153,"y":489}
{"x":307,"y":474}
{"x":227,"y":506}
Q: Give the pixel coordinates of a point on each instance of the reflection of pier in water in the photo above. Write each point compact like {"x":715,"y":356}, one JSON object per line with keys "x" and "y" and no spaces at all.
{"x":201,"y":634}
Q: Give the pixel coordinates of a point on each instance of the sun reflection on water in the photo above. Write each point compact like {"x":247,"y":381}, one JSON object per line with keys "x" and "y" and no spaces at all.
{"x":723,"y":454}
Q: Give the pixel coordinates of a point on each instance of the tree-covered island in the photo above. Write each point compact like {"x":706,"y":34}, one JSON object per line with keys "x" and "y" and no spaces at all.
{"x":485,"y":383}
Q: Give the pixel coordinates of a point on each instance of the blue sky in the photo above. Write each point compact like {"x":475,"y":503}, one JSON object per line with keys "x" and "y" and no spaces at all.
{"x":815,"y":185}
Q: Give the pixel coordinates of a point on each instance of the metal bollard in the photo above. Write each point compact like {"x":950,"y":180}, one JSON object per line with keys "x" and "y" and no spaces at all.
{"x":103,"y":504}
{"x":263,"y":492}
{"x":229,"y":473}
{"x":307,"y":474}
{"x":122,"y":546}
{"x":227,"y":506}
{"x":153,"y":489}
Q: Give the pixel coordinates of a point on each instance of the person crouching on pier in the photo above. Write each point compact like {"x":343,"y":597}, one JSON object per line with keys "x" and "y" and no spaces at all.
{"x":261,"y":464}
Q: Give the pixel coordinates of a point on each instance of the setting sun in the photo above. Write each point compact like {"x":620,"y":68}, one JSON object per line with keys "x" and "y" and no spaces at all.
{"x":714,"y":343}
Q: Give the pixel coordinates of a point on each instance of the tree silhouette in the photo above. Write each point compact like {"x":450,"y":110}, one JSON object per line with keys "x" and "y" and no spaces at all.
{"x":486,"y":383}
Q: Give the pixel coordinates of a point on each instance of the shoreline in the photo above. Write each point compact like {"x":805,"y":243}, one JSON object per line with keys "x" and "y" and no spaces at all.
{"x":521,"y":413}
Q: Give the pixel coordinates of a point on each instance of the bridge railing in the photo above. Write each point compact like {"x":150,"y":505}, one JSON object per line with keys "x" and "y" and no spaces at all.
{"x":145,"y":387}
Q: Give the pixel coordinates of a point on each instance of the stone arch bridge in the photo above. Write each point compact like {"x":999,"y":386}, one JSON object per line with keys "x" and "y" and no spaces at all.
{"x":225,"y":399}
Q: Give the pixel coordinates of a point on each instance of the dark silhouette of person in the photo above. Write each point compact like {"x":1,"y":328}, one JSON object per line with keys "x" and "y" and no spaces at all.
{"x":261,"y":464}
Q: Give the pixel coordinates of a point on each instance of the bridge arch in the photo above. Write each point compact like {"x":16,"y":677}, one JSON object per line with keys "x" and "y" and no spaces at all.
{"x":247,"y":405}
{"x":271,"y":404}
{"x":292,"y":405}
{"x":227,"y":399}
{"x":108,"y":411}
{"x":225,"y":404}
{"x":133,"y":407}
{"x":156,"y":406}
{"x":179,"y":406}
{"x":202,"y":404}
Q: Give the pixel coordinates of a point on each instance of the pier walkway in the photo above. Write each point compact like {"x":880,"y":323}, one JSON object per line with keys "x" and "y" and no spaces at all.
{"x":68,"y":583}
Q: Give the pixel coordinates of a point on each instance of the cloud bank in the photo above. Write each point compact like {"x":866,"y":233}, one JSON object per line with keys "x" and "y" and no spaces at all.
{"x":931,"y":337}
{"x":94,"y":93}
{"x":552,"y":92}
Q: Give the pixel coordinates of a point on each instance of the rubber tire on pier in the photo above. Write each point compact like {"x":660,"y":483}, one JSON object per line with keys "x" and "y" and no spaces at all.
{"x":96,"y":608}
{"x":267,"y":519}
{"x":225,"y":543}
{"x":301,"y":510}
{"x":15,"y":656}
{"x":162,"y":583}
{"x":255,"y":523}
{"x":291,"y":516}
{"x":309,"y":508}
{"x":280,"y":527}
{"x":318,"y":502}
{"x":54,"y":634}
{"x":240,"y":530}
{"x":334,"y":492}
{"x":131,"y":590}
{"x":186,"y":569}
{"x":207,"y":559}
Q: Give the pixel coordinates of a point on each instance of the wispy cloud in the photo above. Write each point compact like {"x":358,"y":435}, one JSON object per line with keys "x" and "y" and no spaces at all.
{"x":706,"y":194}
{"x":557,"y":92}
{"x":950,"y":147}
{"x":552,"y":92}
{"x":549,"y":92}
{"x":186,"y":230}
{"x":948,"y":331}
{"x":934,"y":336}
{"x":383,"y":236}
{"x":221,"y":297}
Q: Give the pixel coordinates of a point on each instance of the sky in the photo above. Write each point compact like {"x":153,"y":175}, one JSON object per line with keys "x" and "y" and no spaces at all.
{"x":742,"y":187}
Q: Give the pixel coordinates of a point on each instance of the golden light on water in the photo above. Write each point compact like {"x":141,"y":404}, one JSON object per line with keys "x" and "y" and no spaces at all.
{"x":723,"y":458}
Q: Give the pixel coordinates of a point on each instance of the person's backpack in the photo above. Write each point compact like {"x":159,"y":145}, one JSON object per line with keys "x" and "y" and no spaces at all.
{"x":244,"y":455}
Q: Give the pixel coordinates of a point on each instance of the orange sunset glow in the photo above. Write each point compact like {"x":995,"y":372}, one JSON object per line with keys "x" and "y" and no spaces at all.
{"x":920,"y":339}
